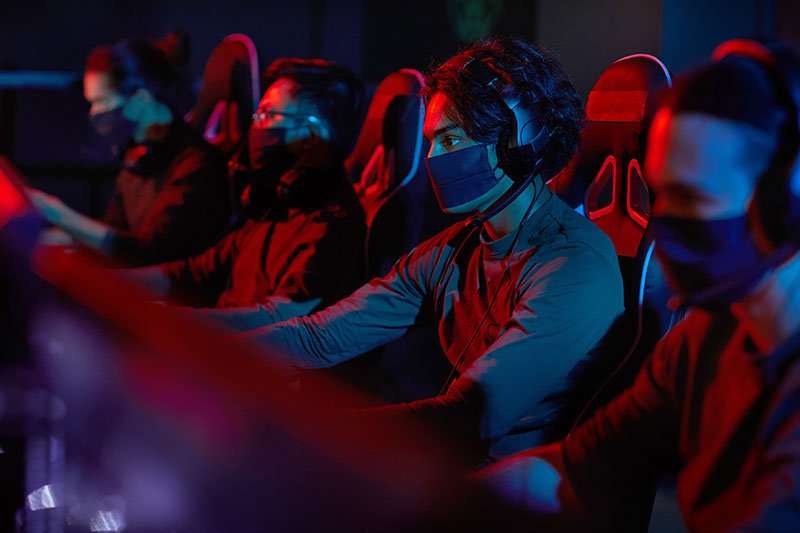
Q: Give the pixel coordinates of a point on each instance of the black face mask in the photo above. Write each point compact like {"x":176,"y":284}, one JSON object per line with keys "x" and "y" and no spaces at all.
{"x":461,"y":176}
{"x":269,"y":159}
{"x":709,"y":261}
{"x":114,"y":127}
{"x":267,"y":148}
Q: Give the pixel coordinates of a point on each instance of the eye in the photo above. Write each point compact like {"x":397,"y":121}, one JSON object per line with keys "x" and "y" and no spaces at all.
{"x":448,"y":141}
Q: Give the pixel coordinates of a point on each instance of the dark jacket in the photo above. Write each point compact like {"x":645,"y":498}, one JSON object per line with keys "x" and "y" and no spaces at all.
{"x":171,"y":199}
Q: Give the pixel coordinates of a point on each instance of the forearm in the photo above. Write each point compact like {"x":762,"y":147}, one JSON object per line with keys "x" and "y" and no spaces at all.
{"x":372,"y":316}
{"x":92,"y":233}
{"x":89,"y":232}
{"x":273,"y":310}
{"x":455,"y":415}
{"x":154,"y":278}
{"x":537,"y":481}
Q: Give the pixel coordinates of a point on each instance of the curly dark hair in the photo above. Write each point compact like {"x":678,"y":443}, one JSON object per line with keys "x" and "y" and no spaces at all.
{"x":334,"y":92}
{"x":538,"y":81}
{"x":136,"y":63}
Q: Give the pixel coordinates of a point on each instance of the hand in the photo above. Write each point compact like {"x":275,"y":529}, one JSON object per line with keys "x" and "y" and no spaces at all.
{"x":50,"y":207}
{"x":55,"y":237}
{"x":92,"y":233}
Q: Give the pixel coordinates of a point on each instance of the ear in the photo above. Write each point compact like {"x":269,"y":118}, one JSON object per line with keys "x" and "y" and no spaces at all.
{"x":494,"y":161}
{"x":319,"y":130}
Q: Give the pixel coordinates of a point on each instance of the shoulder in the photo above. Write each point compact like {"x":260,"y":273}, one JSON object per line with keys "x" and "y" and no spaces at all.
{"x":195,"y":154}
{"x":569,"y":228}
{"x":678,"y":352}
{"x":448,"y":239}
{"x":695,"y":327}
{"x":567,"y":246}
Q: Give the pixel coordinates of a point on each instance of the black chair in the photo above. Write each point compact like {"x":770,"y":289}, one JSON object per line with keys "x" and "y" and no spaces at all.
{"x":388,"y":172}
{"x":606,"y":181}
{"x":229,"y":93}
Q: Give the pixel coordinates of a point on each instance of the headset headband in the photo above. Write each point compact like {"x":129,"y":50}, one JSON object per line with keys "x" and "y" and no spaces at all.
{"x":783,"y":67}
{"x":774,"y":185}
{"x":530,"y":135}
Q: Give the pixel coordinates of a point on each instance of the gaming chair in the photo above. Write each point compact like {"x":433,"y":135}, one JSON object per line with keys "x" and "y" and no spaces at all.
{"x":229,"y":93}
{"x":386,"y":168}
{"x":606,"y":180}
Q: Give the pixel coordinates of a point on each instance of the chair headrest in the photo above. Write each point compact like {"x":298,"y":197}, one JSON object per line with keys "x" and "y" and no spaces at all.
{"x":229,"y":92}
{"x":606,"y":174}
{"x":390,"y":146}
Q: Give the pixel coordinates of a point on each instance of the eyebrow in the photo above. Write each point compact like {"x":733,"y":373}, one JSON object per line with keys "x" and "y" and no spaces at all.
{"x":443,"y":129}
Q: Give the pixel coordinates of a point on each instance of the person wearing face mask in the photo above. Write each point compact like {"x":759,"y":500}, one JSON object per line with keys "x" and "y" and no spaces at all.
{"x":171,"y":194}
{"x":302,"y":245}
{"x":520,"y":292}
{"x":718,"y":401}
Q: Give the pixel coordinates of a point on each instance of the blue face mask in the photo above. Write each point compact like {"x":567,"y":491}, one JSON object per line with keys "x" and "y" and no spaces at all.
{"x":462,"y":176}
{"x":115,"y":128}
{"x":709,"y":261}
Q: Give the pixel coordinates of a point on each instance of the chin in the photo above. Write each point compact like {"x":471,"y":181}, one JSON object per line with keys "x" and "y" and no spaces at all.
{"x":483,"y":202}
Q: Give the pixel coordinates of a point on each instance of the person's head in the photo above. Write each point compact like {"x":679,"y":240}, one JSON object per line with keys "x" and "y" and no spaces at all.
{"x":308,"y":102}
{"x":709,"y":145}
{"x":464,"y":113}
{"x":130,"y":86}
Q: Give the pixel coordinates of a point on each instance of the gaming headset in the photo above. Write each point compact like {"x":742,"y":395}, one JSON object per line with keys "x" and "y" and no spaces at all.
{"x":775,"y":204}
{"x":527,"y":132}
{"x":521,"y":162}
{"x":774,"y":187}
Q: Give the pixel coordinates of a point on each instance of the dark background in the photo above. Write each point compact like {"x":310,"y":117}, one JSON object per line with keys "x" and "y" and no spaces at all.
{"x":46,"y":130}
{"x":375,"y":37}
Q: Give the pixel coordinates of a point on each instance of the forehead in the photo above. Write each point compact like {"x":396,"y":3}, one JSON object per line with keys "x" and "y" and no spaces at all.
{"x":97,"y":85}
{"x":279,"y":96}
{"x":701,"y":153}
{"x":436,"y":114}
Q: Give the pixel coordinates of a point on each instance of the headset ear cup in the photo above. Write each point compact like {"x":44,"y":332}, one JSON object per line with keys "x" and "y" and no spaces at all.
{"x":503,"y":158}
{"x":513,"y":167}
{"x":769,"y":204}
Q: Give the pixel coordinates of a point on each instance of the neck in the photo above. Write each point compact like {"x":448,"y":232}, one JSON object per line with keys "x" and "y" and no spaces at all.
{"x":509,"y":219}
{"x":773,"y":309}
{"x":157,"y":132}
{"x":153,"y":123}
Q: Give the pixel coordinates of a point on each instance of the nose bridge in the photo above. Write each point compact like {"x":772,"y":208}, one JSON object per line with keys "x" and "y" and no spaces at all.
{"x":436,"y":148}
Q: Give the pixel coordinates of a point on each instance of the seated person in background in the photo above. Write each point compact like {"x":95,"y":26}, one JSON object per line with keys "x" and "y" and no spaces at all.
{"x":520,"y":293}
{"x":303,"y":244}
{"x":171,"y":195}
{"x":718,"y":401}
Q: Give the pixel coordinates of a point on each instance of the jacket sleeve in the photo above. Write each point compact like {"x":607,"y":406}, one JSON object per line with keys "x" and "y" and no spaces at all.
{"x":377,"y":313}
{"x":545,"y":337}
{"x":189,"y":212}
{"x":115,"y":214}
{"x":625,"y":445}
{"x":201,"y":279}
{"x":326,"y":265}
